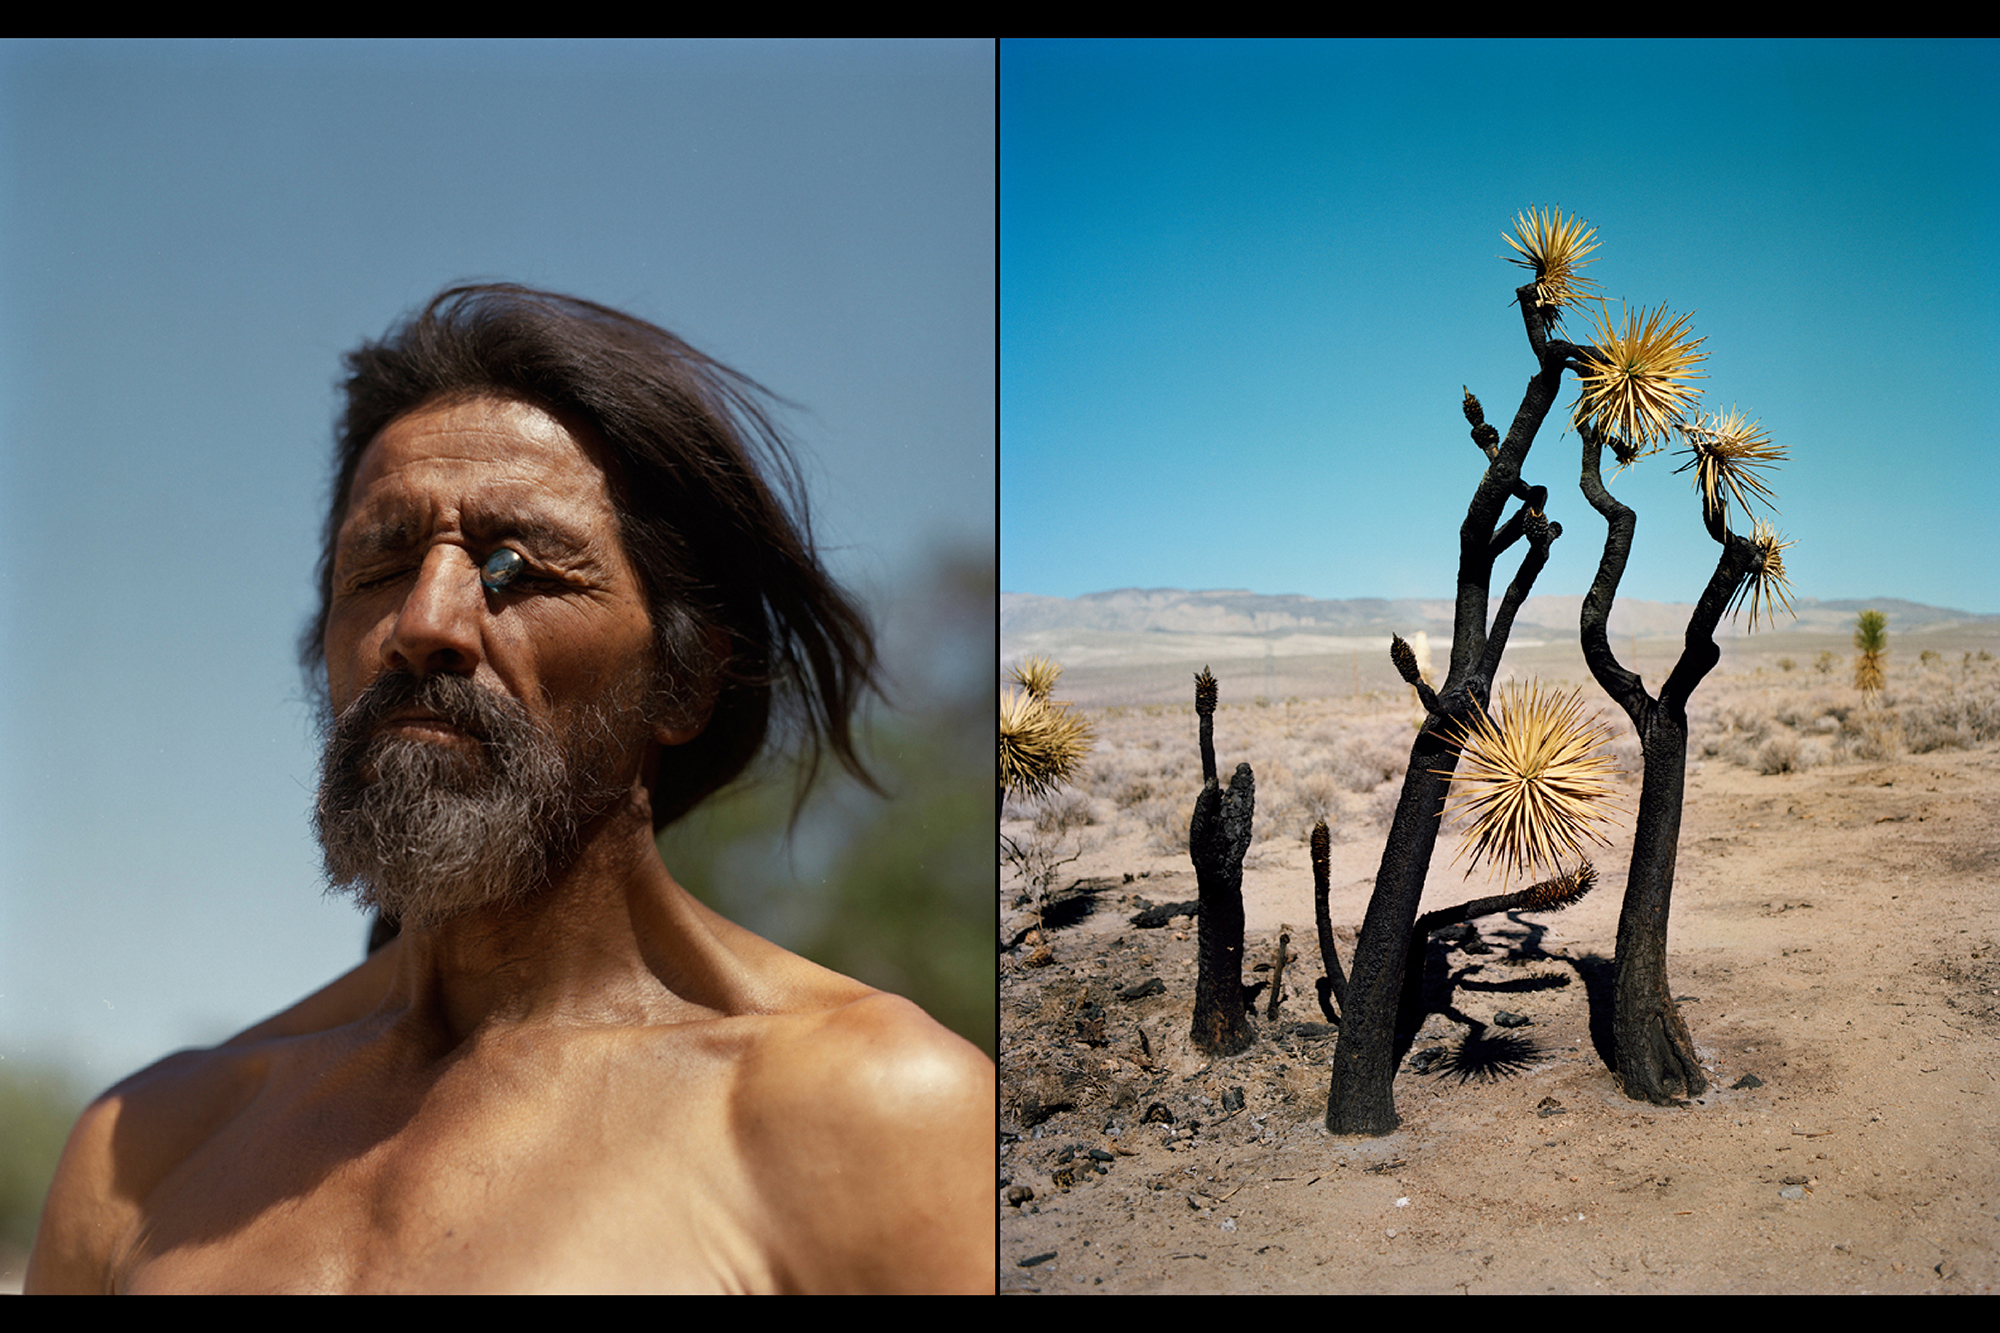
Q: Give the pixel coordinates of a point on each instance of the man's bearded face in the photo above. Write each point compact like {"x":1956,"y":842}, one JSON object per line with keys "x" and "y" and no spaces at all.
{"x":426,"y":829}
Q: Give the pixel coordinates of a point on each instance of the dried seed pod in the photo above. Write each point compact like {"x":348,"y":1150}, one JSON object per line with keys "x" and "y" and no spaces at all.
{"x":1552,"y":895}
{"x":1405,"y":658}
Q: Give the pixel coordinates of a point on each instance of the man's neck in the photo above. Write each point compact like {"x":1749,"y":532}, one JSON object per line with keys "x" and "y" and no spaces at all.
{"x":612,"y":940}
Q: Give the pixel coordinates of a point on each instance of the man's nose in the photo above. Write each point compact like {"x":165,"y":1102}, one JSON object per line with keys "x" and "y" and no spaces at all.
{"x":437,"y":629}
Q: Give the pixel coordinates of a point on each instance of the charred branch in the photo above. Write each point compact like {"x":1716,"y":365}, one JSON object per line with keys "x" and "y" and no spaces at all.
{"x":1333,"y":984}
{"x":1278,"y":977}
{"x":1405,"y":658}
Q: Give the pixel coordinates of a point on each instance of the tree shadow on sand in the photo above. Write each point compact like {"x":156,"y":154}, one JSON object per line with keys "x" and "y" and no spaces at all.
{"x":1487,"y":1053}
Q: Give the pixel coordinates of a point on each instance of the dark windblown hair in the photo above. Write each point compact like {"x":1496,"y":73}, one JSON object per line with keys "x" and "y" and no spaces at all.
{"x":716,"y":548}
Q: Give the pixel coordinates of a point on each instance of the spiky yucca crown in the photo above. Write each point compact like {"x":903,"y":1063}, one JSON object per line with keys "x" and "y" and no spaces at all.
{"x":1554,"y":247}
{"x":1768,"y":587}
{"x":1533,"y":786}
{"x":1204,"y":694}
{"x":1637,"y":379}
{"x":1727,"y":451}
{"x":1042,"y":745}
{"x":1037,"y":675}
{"x":1871,"y":631}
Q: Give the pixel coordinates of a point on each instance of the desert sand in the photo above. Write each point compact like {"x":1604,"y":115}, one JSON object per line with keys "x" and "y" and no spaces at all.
{"x":1835,"y":947}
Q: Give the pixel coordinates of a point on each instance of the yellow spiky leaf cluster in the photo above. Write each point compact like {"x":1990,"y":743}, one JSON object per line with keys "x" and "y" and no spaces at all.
{"x":1727,"y":451}
{"x":1768,"y":588}
{"x":1638,"y":378}
{"x":1554,"y":247}
{"x":1042,"y":744}
{"x":1531,"y":787}
{"x":1037,"y":675}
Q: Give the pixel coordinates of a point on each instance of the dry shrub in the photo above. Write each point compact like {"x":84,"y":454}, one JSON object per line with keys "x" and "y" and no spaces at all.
{"x":1363,"y":766}
{"x":1628,"y":755}
{"x":1380,"y":807}
{"x":1952,"y":720}
{"x":1065,"y":812}
{"x":1165,"y":821}
{"x":1874,"y":734}
{"x":1786,"y":753}
{"x":1318,"y":797}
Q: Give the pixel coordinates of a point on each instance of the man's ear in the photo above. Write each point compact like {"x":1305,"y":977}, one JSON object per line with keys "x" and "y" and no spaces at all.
{"x":693,"y":720}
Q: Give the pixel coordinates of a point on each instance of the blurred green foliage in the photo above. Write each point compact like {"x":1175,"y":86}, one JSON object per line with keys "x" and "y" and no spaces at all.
{"x":38,"y":1104}
{"x":896,"y":892}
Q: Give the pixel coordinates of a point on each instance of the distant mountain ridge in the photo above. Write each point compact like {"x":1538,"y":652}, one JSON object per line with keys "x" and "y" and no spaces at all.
{"x":1289,"y":621}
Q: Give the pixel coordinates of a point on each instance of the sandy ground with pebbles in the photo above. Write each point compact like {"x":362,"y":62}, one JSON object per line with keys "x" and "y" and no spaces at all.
{"x":1835,"y":937}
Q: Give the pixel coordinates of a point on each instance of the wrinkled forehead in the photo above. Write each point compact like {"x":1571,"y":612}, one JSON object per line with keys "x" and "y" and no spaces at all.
{"x":495,"y":440}
{"x":486,"y":461}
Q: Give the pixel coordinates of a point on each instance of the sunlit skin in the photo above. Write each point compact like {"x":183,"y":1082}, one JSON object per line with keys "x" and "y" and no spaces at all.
{"x":611,"y":1088}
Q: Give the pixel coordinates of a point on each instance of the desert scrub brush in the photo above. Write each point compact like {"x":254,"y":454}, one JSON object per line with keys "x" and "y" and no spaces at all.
{"x":1530,"y":788}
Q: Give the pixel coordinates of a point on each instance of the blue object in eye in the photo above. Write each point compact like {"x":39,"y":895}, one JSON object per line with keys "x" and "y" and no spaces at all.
{"x":501,"y":568}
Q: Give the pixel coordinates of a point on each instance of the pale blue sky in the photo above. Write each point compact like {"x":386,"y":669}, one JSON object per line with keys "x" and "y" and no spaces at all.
{"x":190,"y":236}
{"x":1243,"y":283}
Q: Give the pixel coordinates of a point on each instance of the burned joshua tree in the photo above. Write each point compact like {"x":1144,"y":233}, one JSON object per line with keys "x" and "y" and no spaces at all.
{"x":1218,"y":836}
{"x":1635,"y":395}
{"x":1361,"y":1100}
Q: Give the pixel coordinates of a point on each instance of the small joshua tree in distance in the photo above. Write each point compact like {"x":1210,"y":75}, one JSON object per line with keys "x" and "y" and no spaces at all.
{"x":1871,"y":641}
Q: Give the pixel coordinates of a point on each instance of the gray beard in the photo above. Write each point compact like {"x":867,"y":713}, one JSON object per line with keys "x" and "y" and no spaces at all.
{"x":424,"y":831}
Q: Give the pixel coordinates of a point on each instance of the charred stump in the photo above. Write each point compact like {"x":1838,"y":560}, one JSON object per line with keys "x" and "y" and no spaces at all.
{"x":1218,"y":837}
{"x":1332,"y":985}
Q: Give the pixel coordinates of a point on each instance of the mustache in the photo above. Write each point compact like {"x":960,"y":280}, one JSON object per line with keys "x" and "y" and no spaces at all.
{"x":484,"y":715}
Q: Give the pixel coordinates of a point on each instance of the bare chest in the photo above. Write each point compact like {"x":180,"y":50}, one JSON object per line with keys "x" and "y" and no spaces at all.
{"x":483,"y":1186}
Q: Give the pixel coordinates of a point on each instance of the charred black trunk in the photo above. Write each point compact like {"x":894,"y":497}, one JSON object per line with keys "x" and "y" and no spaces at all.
{"x":1654,"y":1051}
{"x":1362,"y":1099}
{"x":1218,"y":836}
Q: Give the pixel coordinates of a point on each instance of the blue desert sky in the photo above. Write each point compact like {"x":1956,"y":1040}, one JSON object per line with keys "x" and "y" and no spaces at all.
{"x":1242,"y":285}
{"x":190,"y":236}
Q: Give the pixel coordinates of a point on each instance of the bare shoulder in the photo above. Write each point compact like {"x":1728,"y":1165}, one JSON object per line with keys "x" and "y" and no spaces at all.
{"x":871,"y":1130}
{"x":123,"y":1145}
{"x":128,"y":1140}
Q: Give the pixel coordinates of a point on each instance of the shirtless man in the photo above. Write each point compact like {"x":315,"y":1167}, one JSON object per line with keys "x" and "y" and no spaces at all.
{"x":556,"y":598}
